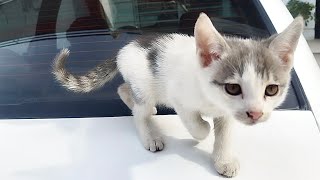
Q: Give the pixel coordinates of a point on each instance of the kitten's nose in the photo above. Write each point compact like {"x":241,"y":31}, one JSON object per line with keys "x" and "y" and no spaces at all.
{"x":254,"y":115}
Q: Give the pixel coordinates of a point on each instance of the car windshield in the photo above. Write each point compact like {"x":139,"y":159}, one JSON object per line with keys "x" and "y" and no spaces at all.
{"x":33,"y":31}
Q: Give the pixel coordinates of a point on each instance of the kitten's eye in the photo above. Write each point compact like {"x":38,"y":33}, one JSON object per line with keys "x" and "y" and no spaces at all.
{"x":271,"y":90}
{"x":233,"y":89}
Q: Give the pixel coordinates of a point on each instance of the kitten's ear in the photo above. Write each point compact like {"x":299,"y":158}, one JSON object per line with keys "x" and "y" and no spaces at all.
{"x":284,"y":44}
{"x":210,"y":44}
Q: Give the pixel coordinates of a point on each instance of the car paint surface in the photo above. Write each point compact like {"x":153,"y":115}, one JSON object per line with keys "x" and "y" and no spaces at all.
{"x":285,"y":147}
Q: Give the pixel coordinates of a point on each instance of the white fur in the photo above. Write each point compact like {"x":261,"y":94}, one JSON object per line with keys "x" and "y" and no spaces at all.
{"x":196,"y":76}
{"x":183,"y":83}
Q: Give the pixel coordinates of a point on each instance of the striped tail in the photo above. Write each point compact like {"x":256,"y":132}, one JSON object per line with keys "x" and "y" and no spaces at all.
{"x":92,"y":80}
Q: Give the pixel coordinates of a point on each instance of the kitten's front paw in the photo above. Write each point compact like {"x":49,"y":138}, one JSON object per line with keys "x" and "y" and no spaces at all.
{"x":153,"y":144}
{"x":227,"y":168}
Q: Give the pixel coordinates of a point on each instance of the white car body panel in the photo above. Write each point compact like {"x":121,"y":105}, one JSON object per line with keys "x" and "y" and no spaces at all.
{"x":305,"y":64}
{"x":285,"y":147}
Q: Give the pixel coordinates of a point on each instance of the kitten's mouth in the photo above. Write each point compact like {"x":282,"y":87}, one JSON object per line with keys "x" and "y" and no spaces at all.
{"x":250,"y":122}
{"x":243,"y":118}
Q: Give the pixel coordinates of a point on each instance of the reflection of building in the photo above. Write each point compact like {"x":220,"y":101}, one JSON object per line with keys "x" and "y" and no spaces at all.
{"x":139,"y":13}
{"x":144,"y":13}
{"x":17,"y":14}
{"x":25,"y":18}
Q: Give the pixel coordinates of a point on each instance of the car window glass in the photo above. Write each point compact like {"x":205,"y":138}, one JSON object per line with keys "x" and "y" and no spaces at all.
{"x":33,"y":31}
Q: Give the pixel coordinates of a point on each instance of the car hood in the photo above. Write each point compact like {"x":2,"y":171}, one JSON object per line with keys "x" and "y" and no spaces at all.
{"x":285,"y":147}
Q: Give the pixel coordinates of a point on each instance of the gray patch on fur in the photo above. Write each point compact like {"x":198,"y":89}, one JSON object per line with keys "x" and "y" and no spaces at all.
{"x":256,"y":53}
{"x":244,"y":52}
{"x":152,"y":57}
{"x":154,"y":45}
{"x":218,"y":83}
{"x":147,"y":41}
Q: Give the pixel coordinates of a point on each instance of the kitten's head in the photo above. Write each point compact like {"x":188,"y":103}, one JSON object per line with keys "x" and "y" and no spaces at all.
{"x":251,"y":76}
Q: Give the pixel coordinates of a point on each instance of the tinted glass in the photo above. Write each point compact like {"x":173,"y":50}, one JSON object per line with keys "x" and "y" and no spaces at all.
{"x":33,"y":31}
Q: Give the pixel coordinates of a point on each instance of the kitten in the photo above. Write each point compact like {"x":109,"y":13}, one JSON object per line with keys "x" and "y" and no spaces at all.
{"x":208,"y":74}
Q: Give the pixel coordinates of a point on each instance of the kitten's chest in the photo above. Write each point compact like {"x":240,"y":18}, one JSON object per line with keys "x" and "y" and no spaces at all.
{"x":211,"y":110}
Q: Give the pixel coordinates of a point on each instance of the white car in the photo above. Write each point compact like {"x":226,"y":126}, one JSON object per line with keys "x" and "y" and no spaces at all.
{"x":49,"y":133}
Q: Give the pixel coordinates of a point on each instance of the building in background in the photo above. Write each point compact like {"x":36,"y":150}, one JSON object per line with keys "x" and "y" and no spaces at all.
{"x":309,"y":30}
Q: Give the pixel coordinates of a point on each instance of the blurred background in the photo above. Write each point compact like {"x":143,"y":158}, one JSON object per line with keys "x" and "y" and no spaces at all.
{"x":310,"y":10}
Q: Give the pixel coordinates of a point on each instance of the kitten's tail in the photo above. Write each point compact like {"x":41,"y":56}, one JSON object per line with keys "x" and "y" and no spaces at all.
{"x":94,"y":79}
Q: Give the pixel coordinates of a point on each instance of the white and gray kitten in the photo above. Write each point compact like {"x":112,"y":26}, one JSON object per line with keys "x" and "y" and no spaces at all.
{"x":208,"y":74}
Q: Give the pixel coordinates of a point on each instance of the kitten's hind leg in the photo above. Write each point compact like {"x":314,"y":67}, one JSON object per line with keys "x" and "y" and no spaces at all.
{"x":196,"y":126}
{"x":147,"y":130}
{"x":126,"y":96}
{"x":139,"y":99}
